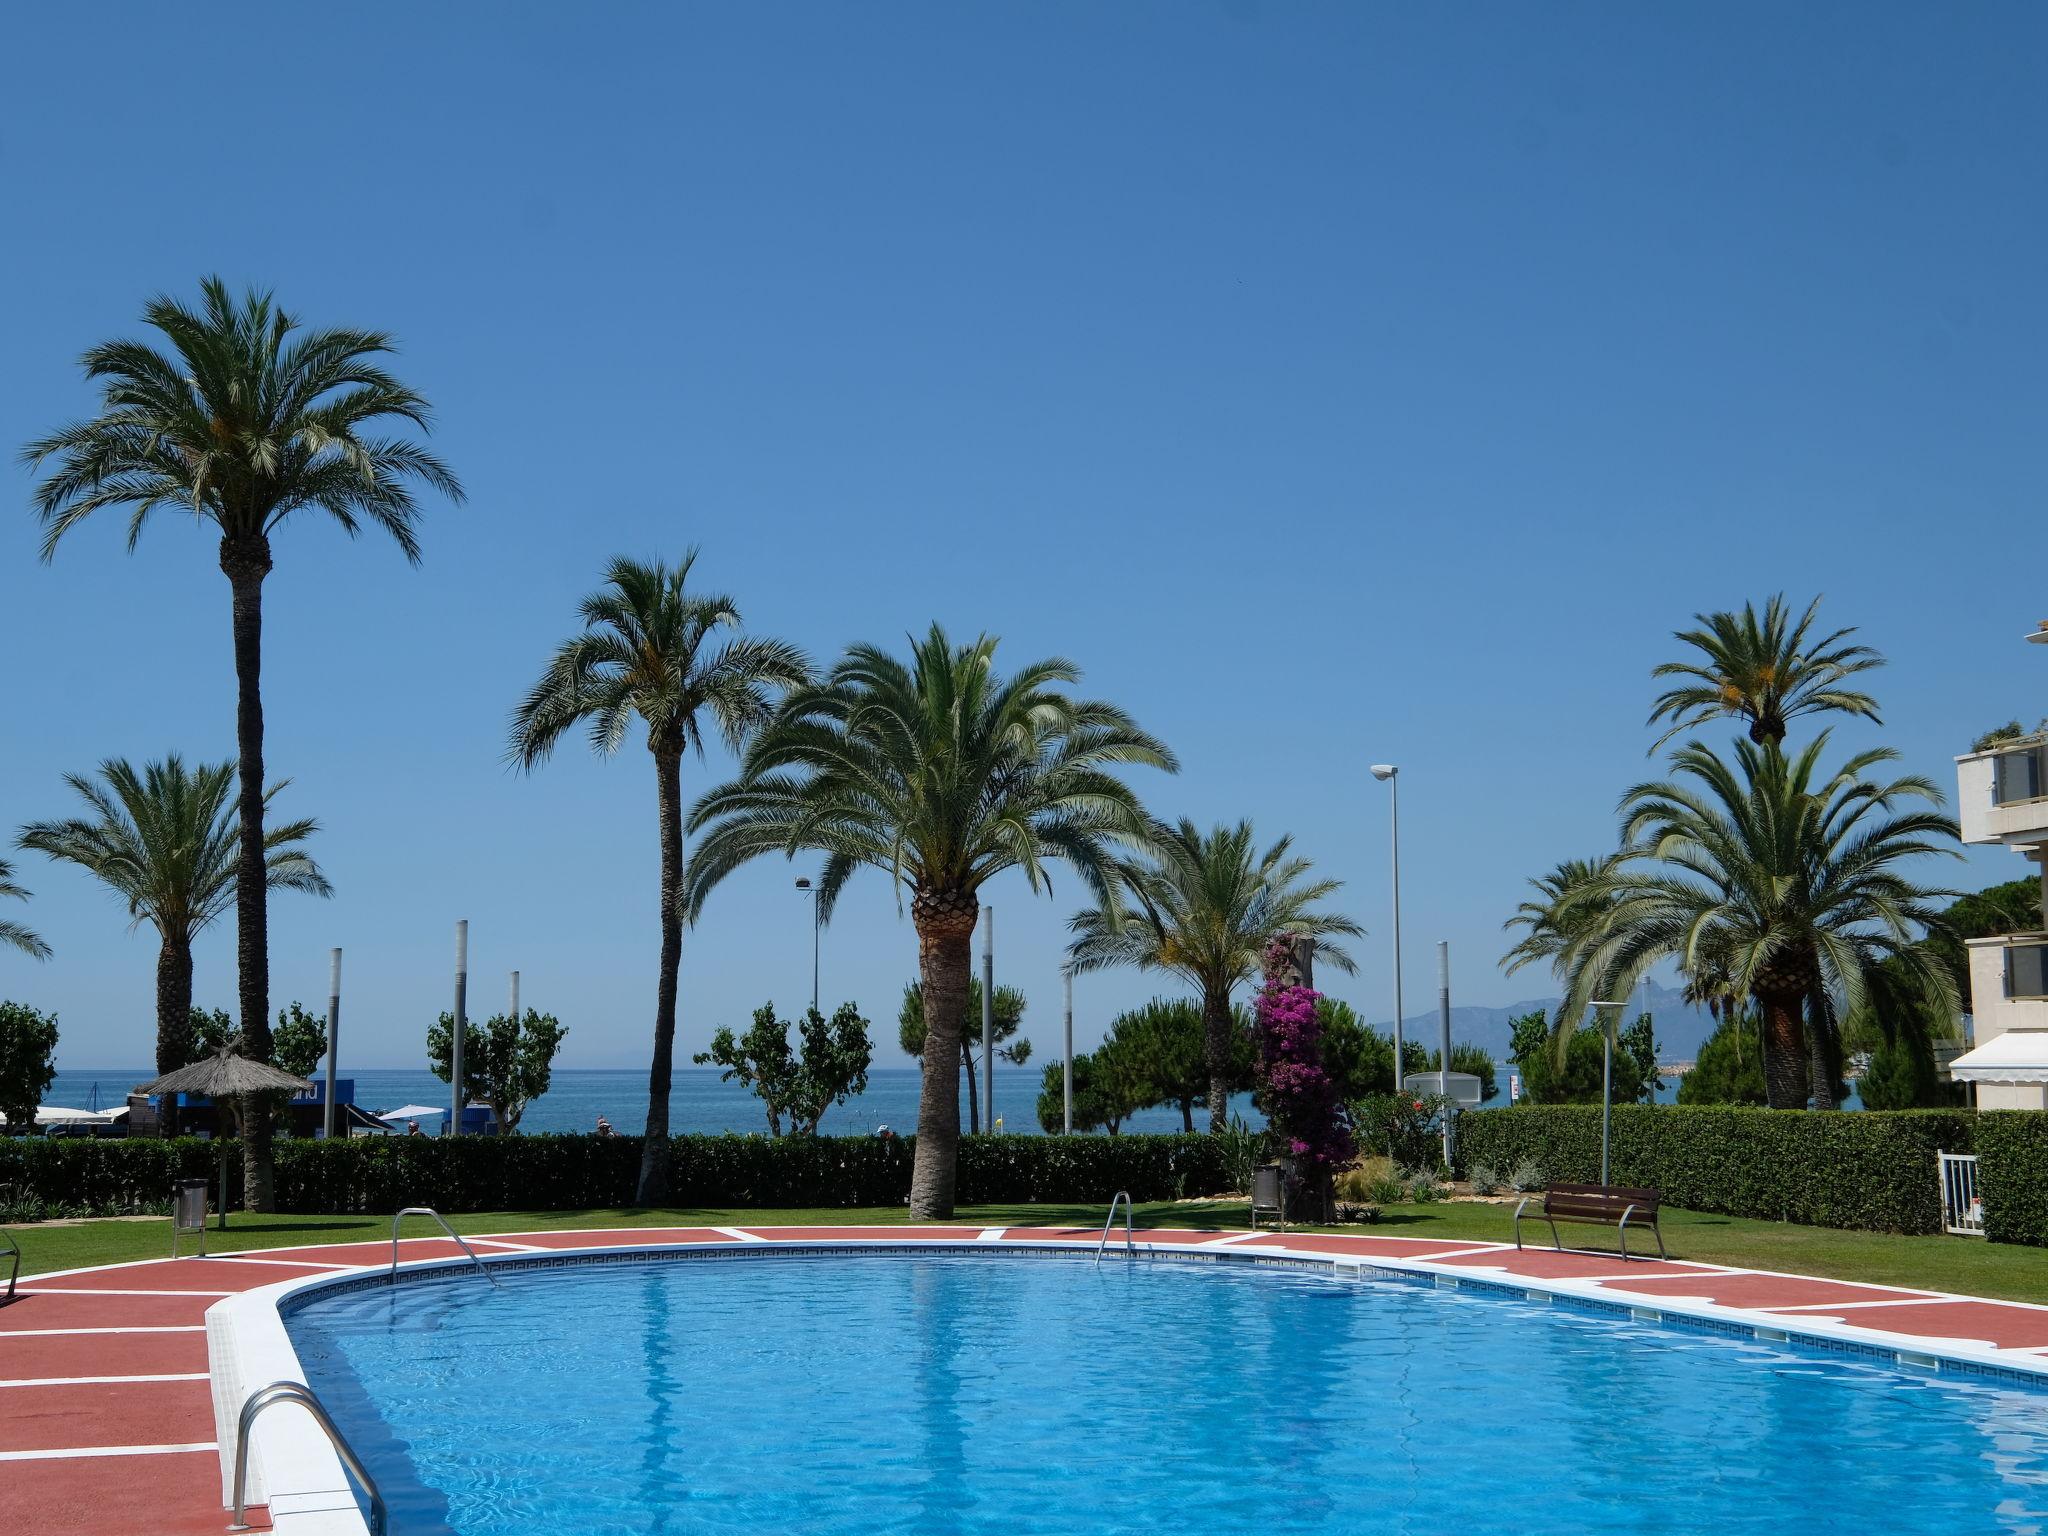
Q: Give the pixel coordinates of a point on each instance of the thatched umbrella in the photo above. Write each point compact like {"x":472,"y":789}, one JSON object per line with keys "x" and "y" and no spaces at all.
{"x":221,"y":1077}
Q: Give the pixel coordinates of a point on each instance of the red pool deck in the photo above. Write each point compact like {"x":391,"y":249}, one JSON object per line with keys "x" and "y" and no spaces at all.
{"x":106,"y":1411}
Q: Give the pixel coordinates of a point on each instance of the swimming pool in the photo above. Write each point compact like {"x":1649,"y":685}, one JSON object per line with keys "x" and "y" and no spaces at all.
{"x":845,"y":1394}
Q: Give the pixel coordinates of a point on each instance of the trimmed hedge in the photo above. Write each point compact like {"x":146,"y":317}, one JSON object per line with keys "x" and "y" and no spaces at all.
{"x":1869,"y":1170}
{"x":2012,"y":1175}
{"x":377,"y":1175}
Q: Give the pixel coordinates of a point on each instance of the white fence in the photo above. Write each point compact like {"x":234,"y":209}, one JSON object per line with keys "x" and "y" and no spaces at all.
{"x":1962,"y":1208}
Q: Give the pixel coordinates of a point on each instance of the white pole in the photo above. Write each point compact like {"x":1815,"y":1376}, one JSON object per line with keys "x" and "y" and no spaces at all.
{"x":515,"y":1001}
{"x":327,"y":1112}
{"x":1607,"y":1075}
{"x":1067,"y":985}
{"x":1443,"y":1019}
{"x":461,"y":1024}
{"x":1394,"y":812}
{"x":988,"y":1021}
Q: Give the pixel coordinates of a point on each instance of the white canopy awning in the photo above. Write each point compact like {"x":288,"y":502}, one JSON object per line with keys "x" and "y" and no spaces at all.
{"x":2017,"y":1056}
{"x":416,"y":1112}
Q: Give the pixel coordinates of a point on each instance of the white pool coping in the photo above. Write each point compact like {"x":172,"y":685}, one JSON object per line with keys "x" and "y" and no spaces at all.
{"x":294,"y":1469}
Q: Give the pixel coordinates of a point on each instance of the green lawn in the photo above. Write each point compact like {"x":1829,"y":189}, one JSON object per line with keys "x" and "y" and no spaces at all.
{"x":1969,"y":1265}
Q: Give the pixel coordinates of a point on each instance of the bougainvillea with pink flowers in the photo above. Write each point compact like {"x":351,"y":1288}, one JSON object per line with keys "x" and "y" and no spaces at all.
{"x":1295,"y":1089}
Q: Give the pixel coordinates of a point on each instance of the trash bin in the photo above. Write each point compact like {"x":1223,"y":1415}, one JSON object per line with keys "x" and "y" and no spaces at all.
{"x":188,"y":1212}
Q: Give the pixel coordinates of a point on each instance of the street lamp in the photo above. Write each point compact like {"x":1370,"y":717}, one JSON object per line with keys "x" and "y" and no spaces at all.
{"x":1067,"y":1067}
{"x":1606,"y":1082}
{"x":1387,"y":774}
{"x":816,"y":895}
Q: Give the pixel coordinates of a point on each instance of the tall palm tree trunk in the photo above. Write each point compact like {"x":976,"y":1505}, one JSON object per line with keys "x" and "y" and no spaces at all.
{"x":967,"y":1061}
{"x":1819,"y":1039}
{"x":655,"y":1151}
{"x":173,"y":1020}
{"x":246,"y":561}
{"x":945,"y":959}
{"x":1784,"y":1050}
{"x":1216,"y":1046}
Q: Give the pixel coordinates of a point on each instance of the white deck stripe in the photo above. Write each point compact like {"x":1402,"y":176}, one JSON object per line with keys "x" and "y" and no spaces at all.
{"x":88,"y":1290}
{"x":50,"y":1333}
{"x":740,"y":1234}
{"x":251,"y":1258}
{"x":97,"y":1381}
{"x":991,"y":1234}
{"x":108,"y":1450}
{"x":1849,"y":1306}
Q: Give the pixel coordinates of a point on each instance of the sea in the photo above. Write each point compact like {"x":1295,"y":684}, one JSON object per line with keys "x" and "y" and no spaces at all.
{"x":700,"y":1100}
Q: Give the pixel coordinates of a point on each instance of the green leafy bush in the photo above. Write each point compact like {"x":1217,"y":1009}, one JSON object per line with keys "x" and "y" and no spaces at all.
{"x":377,"y":1175}
{"x":2012,"y":1175}
{"x":1864,"y":1170}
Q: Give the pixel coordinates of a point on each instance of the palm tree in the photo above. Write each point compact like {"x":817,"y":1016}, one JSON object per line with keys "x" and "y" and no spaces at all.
{"x":943,"y":774}
{"x":1570,"y":903}
{"x":245,"y":421}
{"x":1783,"y":873}
{"x":655,"y":651}
{"x":1203,"y":905}
{"x":166,"y":841}
{"x":16,"y":935}
{"x":1764,"y":671}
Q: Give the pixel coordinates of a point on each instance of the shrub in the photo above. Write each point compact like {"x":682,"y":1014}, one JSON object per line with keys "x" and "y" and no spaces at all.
{"x":2012,"y":1175}
{"x":1863,"y":1169}
{"x":1424,"y":1188}
{"x":1484,"y":1180}
{"x":377,"y":1175}
{"x":1526,"y":1179}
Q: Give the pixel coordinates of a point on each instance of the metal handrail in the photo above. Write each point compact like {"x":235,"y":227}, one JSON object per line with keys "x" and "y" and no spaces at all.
{"x":296,"y":1392}
{"x":14,"y":1261}
{"x":1122,"y":1196}
{"x":427,"y":1210}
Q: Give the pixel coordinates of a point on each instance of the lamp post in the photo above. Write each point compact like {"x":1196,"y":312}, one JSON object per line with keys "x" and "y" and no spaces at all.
{"x":1606,"y":1081}
{"x":1067,"y":1067}
{"x":327,"y":1116}
{"x":1389,"y":775}
{"x":817,"y":924}
{"x":1443,"y":1024}
{"x":988,"y":1021}
{"x":461,"y":1025}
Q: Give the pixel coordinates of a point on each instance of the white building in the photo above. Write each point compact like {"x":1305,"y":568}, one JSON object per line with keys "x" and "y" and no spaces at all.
{"x":2002,"y":797}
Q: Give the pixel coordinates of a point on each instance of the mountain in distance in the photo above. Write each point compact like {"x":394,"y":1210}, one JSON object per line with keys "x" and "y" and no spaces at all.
{"x":1681,"y":1027}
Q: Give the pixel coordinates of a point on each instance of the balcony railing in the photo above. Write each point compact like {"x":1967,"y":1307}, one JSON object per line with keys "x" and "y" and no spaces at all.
{"x":2026,"y":968}
{"x":2020,"y":774}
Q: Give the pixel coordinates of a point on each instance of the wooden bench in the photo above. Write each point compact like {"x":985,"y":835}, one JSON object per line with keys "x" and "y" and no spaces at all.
{"x":1601,"y":1205}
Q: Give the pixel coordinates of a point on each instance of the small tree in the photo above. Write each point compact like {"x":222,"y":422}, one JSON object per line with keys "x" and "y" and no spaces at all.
{"x":829,"y":1066}
{"x":1007,"y":1018}
{"x":1577,"y":1081}
{"x":507,"y":1063}
{"x":1730,"y":1066}
{"x":1106,"y":1092}
{"x":28,"y":1065}
{"x":1163,"y":1047}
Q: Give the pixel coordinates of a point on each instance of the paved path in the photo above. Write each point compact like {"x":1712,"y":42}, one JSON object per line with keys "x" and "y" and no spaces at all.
{"x":106,"y":1413}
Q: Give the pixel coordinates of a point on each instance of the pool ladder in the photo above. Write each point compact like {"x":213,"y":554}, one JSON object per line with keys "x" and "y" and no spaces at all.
{"x":14,"y":1262}
{"x":296,"y":1392}
{"x":1123,"y":1198}
{"x":427,"y":1210}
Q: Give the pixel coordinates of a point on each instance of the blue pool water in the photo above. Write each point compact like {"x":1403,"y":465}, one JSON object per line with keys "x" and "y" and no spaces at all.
{"x":1005,"y":1395}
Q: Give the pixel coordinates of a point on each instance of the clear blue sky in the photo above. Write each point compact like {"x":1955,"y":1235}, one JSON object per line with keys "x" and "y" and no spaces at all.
{"x":1334,"y":383}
